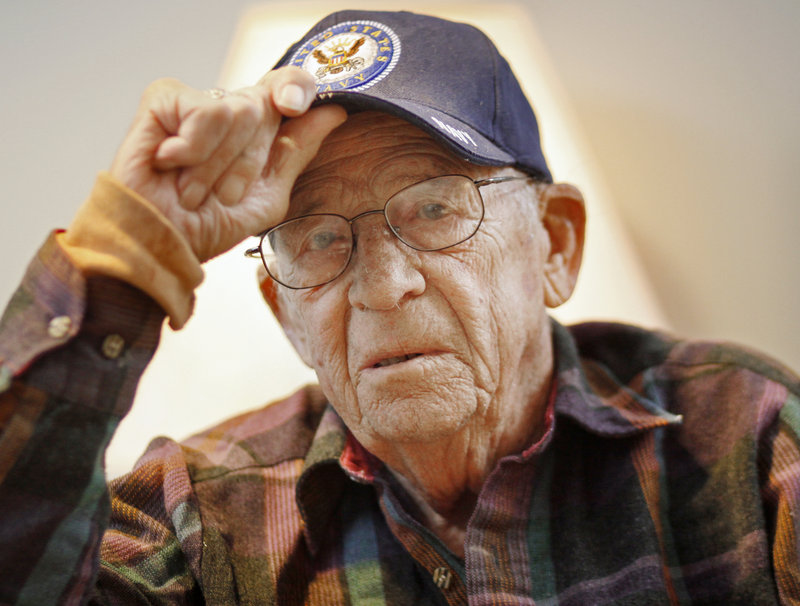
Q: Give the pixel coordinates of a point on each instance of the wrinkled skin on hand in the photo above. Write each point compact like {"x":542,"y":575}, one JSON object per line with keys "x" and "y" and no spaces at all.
{"x":221,"y":169}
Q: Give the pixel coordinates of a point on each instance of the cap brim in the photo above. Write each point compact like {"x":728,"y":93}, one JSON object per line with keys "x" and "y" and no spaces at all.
{"x":461,"y":138}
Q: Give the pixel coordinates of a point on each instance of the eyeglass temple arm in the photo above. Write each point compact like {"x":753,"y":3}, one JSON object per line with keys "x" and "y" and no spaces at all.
{"x":503,"y":179}
{"x":255,"y":253}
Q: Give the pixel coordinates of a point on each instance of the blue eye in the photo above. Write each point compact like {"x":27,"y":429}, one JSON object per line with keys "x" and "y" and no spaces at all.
{"x":433,"y":211}
{"x":323,"y":240}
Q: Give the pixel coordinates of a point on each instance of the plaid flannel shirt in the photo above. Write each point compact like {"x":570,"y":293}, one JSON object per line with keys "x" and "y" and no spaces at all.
{"x":668,"y":475}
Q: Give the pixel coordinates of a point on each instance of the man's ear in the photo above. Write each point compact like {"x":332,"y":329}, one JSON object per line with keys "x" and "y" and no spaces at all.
{"x":564,"y":218}
{"x":286,"y":315}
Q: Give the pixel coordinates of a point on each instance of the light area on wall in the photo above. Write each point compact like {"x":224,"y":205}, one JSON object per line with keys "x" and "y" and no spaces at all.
{"x":232,"y":354}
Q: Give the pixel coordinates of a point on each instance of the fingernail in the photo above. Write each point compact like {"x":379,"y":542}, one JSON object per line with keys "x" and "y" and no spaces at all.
{"x":292,"y":96}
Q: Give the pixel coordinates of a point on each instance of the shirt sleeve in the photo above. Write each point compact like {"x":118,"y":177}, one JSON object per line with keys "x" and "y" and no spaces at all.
{"x":152,"y":549}
{"x":779,"y":462}
{"x":72,"y":349}
{"x":118,"y":233}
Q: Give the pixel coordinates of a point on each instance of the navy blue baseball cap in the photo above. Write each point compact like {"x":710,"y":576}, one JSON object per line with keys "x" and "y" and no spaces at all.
{"x":444,"y":77}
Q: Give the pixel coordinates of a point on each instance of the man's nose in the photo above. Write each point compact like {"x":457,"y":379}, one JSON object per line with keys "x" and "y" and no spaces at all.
{"x":382,"y":268}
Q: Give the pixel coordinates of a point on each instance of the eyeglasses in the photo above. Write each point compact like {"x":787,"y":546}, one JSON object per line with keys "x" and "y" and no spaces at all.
{"x":312,"y":250}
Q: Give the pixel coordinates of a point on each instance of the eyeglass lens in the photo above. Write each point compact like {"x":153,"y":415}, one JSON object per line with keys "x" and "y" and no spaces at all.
{"x":431,"y":215}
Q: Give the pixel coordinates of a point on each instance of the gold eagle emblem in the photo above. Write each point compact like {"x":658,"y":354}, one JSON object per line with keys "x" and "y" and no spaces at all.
{"x":341,"y":57}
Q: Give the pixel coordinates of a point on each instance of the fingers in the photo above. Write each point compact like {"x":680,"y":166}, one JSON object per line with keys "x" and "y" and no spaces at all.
{"x":298,"y":141}
{"x":232,"y":165}
{"x":212,"y":134}
{"x":240,"y":173}
{"x":223,"y":144}
{"x":287,"y":92}
{"x":202,"y":128}
{"x":295,"y":145}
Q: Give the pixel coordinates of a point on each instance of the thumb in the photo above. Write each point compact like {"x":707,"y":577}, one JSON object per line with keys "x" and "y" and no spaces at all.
{"x":298,"y":140}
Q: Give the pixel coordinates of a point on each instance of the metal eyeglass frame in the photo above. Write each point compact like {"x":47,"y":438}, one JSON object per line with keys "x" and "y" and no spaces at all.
{"x":258,"y":253}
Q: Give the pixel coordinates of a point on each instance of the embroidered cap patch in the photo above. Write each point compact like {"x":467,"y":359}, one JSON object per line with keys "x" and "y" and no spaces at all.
{"x":353,"y":55}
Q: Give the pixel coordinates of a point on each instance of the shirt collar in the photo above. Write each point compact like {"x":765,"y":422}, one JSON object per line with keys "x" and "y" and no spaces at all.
{"x":334,"y":455}
{"x":594,"y":396}
{"x":321,"y":481}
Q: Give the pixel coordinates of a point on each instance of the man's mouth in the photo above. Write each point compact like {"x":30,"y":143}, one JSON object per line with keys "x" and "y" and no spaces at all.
{"x":395,"y":360}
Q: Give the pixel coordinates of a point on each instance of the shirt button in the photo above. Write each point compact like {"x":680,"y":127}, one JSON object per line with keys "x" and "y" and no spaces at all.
{"x":442,"y":577}
{"x":112,"y":346}
{"x":59,"y":327}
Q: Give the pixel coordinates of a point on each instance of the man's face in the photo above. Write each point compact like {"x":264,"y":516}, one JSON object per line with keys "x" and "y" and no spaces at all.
{"x":414,"y":346}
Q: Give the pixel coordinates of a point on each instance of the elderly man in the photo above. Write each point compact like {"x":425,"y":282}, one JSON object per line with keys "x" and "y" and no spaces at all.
{"x":461,"y":446}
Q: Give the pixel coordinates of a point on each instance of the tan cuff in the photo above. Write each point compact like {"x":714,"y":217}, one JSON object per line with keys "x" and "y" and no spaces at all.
{"x":118,"y":233}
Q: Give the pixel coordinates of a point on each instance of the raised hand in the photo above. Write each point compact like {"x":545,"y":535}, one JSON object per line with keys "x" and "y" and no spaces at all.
{"x":221,"y":168}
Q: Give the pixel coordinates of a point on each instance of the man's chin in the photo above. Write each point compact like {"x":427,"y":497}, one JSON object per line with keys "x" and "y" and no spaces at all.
{"x":418,"y":419}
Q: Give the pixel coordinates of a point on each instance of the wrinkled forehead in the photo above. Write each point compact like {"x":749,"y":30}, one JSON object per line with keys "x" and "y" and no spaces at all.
{"x":376,"y":153}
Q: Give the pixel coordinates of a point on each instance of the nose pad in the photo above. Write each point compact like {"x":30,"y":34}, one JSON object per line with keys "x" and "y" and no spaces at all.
{"x":383,"y":269}
{"x":371,"y":226}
